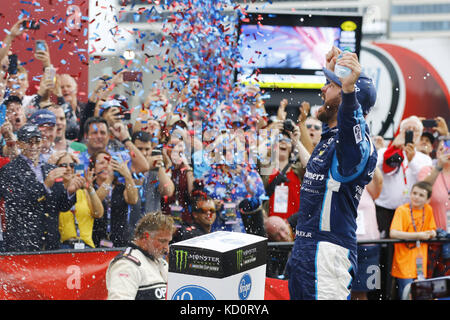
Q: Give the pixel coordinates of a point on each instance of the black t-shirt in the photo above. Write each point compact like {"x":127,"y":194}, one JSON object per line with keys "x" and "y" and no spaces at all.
{"x":114,"y":221}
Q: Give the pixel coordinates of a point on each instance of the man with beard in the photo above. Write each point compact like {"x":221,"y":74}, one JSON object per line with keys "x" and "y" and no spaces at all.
{"x":140,"y":271}
{"x":323,"y":258}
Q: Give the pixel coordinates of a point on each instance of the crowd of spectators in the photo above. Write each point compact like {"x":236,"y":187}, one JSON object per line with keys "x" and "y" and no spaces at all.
{"x":80,"y":174}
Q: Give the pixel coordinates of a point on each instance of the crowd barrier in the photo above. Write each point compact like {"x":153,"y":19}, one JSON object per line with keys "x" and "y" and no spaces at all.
{"x":278,"y":254}
{"x":80,"y":274}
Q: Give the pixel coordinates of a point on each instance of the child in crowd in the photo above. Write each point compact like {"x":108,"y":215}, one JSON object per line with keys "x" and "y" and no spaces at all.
{"x":412,"y":221}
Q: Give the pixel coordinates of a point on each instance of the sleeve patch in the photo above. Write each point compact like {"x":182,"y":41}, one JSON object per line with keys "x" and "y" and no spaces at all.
{"x":357,"y":133}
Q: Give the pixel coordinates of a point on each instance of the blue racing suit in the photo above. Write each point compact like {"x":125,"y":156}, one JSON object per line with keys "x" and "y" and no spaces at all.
{"x":323,"y":259}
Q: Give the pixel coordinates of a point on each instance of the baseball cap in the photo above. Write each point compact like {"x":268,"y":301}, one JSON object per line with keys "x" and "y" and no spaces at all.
{"x":28,"y":131}
{"x":41,"y":117}
{"x":365,"y":89}
{"x":12,"y":99}
{"x":429,"y":135}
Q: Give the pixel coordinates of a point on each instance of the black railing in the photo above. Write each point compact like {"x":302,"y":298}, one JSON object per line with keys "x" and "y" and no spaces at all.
{"x":278,"y":254}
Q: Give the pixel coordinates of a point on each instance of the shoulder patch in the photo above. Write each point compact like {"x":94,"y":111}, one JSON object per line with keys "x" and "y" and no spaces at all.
{"x":126,"y":254}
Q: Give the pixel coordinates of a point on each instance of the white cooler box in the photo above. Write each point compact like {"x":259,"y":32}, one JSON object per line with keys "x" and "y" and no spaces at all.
{"x":218,"y":266}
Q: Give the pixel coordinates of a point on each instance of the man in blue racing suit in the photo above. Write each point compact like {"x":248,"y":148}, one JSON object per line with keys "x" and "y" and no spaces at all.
{"x":323,"y":259}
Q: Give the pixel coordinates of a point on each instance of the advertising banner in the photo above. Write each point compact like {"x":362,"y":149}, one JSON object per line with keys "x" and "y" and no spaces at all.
{"x":80,"y":275}
{"x":218,"y":266}
{"x":55,"y":276}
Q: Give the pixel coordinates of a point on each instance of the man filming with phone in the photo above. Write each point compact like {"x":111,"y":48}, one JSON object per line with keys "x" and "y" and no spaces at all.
{"x":154,"y":184}
{"x":400,"y":163}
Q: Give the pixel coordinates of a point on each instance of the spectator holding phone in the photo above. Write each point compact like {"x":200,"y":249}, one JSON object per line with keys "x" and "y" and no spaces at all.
{"x":16,"y":31}
{"x":112,"y":230}
{"x":400,"y":163}
{"x":17,"y":75}
{"x":76,"y":224}
{"x":18,"y":85}
{"x":425,"y":144}
{"x":182,"y":176}
{"x":97,"y":137}
{"x":154,"y":185}
{"x":435,"y":128}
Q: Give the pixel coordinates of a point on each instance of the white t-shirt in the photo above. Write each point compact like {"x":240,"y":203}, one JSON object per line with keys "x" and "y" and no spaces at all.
{"x":398,"y":183}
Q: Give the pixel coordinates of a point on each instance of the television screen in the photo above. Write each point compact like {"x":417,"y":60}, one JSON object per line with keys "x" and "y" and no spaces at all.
{"x":288,"y":50}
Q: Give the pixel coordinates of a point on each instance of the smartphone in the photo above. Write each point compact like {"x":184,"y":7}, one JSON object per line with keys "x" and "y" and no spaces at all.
{"x":50,"y":73}
{"x":429,"y":123}
{"x":126,"y":116}
{"x":446,"y":146}
{"x":12,"y":67}
{"x":40,"y":45}
{"x":31,"y":24}
{"x":2,"y":113}
{"x":132,"y":76}
{"x":409,"y":137}
{"x":156,"y":152}
{"x":79,"y":169}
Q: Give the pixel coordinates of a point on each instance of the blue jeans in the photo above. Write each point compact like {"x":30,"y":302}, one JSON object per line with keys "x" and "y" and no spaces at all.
{"x":402,"y":283}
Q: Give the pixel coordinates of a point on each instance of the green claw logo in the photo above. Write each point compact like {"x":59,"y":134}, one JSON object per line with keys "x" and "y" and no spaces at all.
{"x":181,"y":259}
{"x":239,"y":258}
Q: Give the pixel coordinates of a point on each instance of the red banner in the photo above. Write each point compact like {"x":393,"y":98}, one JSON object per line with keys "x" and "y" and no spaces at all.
{"x":64,"y":26}
{"x":55,"y":276}
{"x":73,"y":276}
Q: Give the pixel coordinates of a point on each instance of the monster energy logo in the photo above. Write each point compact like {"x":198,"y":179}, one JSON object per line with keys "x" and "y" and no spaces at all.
{"x":181,"y":259}
{"x":239,"y":258}
{"x":244,"y":257}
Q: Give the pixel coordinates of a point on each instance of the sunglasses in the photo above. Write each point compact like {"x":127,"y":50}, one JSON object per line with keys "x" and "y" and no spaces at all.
{"x":309,"y":126}
{"x":205,"y":211}
{"x":65,"y":165}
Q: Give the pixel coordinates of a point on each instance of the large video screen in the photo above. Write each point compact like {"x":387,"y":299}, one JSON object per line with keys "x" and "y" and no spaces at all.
{"x":288,"y":50}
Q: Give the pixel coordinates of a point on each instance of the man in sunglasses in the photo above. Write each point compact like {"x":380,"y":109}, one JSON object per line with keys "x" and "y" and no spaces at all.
{"x":34,"y":194}
{"x":203,"y":214}
{"x":314,"y":127}
{"x":45,"y":120}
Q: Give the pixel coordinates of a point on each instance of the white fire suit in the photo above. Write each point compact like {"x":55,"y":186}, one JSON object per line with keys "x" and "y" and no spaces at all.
{"x":134,"y":274}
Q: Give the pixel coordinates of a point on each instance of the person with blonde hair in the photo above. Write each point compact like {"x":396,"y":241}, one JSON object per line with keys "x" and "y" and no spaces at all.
{"x":76,"y":224}
{"x":140,"y":271}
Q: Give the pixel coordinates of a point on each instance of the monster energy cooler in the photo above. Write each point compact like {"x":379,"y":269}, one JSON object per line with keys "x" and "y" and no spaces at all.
{"x":221,"y":265}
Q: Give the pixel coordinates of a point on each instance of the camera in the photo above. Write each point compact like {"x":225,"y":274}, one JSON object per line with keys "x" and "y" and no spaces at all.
{"x":156,"y":152}
{"x":429,"y":123}
{"x":288,"y":125}
{"x":31,"y":24}
{"x":132,"y":76}
{"x":12,"y":66}
{"x":394,"y":161}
